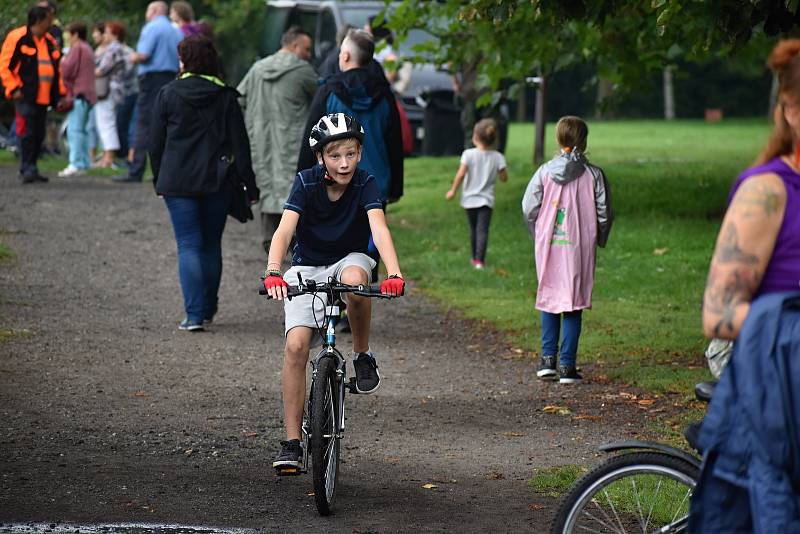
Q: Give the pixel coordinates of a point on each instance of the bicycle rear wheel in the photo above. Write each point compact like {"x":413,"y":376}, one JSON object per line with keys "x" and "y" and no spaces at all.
{"x":633,"y":492}
{"x":324,"y":428}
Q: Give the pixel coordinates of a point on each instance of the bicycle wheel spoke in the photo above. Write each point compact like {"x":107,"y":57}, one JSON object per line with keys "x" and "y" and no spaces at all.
{"x":653,"y":503}
{"x":680,"y":506}
{"x":638,"y":505}
{"x":608,"y":520}
{"x":605,"y":524}
{"x":613,"y":509}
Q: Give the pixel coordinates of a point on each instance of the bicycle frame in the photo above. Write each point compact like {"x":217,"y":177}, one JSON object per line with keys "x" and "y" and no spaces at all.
{"x":328,"y":350}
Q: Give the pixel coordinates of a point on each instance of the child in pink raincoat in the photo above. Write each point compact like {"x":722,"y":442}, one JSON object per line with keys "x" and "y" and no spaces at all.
{"x":568,"y":208}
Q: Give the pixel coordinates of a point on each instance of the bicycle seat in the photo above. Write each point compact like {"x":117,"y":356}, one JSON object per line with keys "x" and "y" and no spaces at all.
{"x":704,"y":390}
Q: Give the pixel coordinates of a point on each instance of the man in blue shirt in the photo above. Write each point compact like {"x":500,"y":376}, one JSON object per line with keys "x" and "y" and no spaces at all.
{"x":157,"y":58}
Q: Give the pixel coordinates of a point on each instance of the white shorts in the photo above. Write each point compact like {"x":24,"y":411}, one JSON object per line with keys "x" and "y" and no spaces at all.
{"x":308,"y":310}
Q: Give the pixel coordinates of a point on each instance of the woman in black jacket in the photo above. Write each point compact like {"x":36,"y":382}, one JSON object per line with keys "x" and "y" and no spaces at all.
{"x":198,"y":149}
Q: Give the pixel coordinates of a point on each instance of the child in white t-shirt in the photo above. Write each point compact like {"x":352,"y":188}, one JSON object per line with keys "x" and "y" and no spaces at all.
{"x":479,"y":169}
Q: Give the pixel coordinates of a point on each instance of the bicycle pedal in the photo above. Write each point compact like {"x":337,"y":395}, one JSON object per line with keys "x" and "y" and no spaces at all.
{"x":288,"y":471}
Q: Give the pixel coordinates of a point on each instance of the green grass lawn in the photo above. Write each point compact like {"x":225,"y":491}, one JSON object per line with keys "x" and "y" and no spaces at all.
{"x":669,"y":182}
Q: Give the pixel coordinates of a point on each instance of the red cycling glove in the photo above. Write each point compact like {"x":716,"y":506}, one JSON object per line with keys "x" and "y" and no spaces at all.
{"x":274,"y":281}
{"x":394,"y":286}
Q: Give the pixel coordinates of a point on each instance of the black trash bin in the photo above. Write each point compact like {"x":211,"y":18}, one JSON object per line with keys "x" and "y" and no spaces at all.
{"x":442,"y":125}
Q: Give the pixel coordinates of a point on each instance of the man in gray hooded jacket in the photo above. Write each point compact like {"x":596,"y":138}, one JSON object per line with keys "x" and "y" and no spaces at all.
{"x":276,"y":94}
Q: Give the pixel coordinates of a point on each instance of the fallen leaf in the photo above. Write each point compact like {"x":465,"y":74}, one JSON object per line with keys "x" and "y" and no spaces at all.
{"x":518,"y":351}
{"x":250,"y":434}
{"x":560,"y":410}
{"x":536,"y":506}
{"x":501,"y":272}
{"x":423,"y":401}
{"x":513,"y":434}
{"x":646,"y":402}
{"x":392,"y":460}
{"x":660,"y":251}
{"x":430,"y":486}
{"x":587,"y":417}
{"x":628,"y":395}
{"x":140,"y":394}
{"x":494,"y":475}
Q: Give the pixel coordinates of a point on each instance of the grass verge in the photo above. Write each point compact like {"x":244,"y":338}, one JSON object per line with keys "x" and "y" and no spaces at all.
{"x":555,"y":481}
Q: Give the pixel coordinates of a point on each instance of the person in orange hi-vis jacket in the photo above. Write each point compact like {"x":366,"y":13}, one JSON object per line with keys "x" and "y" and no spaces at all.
{"x":29,"y":70}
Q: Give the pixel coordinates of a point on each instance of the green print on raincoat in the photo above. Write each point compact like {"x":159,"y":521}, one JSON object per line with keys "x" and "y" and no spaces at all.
{"x":560,"y":236}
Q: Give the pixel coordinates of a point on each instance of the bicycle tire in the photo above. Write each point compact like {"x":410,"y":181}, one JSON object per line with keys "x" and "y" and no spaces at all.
{"x":323,"y":441}
{"x":589,"y":506}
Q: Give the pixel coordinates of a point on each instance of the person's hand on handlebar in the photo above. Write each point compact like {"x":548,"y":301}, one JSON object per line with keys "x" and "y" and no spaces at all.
{"x":275,"y":285}
{"x":393,"y":286}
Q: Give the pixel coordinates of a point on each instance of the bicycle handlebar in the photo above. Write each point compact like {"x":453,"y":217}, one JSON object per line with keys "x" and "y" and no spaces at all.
{"x":305,"y":288}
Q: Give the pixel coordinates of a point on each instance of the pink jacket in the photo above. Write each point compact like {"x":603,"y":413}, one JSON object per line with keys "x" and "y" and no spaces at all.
{"x":77,"y":71}
{"x":567,"y":206}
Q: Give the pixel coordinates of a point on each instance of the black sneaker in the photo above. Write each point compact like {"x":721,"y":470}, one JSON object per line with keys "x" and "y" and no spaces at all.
{"x":367,"y":378}
{"x":291,"y":455}
{"x":569,"y":375}
{"x":188,"y":325}
{"x":547,"y":367}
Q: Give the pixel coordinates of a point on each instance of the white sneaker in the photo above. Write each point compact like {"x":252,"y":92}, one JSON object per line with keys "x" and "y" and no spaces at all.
{"x":70,"y":171}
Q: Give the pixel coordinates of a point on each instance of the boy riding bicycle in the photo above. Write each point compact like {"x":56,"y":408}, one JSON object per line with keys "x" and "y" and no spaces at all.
{"x":332,"y":209}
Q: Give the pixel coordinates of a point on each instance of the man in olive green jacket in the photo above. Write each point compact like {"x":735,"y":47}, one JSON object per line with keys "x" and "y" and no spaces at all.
{"x":276,"y":94}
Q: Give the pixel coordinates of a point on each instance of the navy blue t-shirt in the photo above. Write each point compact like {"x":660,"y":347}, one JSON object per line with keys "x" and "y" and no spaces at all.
{"x":328,"y":231}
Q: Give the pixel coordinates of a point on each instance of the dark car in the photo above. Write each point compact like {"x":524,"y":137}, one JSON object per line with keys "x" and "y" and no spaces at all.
{"x":426,"y":98}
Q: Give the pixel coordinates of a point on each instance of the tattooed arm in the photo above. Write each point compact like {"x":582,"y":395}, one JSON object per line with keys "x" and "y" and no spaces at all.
{"x":744,"y":247}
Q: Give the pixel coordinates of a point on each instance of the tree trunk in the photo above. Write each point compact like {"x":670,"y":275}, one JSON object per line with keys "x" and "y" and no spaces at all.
{"x":669,"y":93}
{"x":604,"y":90}
{"x":522,"y":102}
{"x":538,"y":134}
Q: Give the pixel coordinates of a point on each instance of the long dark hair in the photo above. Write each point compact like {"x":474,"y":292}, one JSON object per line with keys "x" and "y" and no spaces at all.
{"x":785,"y":63}
{"x":198,"y":55}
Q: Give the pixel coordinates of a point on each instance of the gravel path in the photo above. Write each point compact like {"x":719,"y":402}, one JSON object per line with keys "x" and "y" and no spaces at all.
{"x":111,"y":415}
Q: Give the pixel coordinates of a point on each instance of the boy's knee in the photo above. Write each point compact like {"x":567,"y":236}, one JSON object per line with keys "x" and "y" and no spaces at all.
{"x":296,"y":352}
{"x":354,"y":276}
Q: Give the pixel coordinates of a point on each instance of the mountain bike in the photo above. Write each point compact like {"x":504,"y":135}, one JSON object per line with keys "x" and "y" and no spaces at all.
{"x":323,"y":419}
{"x":646,"y":489}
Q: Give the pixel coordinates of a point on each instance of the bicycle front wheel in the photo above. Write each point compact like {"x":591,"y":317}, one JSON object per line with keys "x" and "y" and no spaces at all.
{"x":324,"y":428}
{"x":634,"y":492}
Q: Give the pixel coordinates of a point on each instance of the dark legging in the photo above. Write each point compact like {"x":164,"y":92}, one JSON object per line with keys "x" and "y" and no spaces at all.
{"x":479,"y":219}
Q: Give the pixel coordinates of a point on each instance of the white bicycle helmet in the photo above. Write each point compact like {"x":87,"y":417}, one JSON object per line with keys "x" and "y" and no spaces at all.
{"x":334,"y":127}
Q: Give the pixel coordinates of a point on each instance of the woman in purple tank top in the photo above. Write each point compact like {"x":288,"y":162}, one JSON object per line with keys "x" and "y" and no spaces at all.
{"x":758,"y":247}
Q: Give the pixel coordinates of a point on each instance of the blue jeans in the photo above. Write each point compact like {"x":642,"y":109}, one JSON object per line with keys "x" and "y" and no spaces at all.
{"x":91,"y":131}
{"x":571,"y":331}
{"x":198,"y":223}
{"x":78,"y":134}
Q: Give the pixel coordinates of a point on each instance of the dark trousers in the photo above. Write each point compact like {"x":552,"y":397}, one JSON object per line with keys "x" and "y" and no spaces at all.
{"x":479,"y":219}
{"x":125,"y":115}
{"x":269,"y":223}
{"x":149,"y":85}
{"x":30,"y":130}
